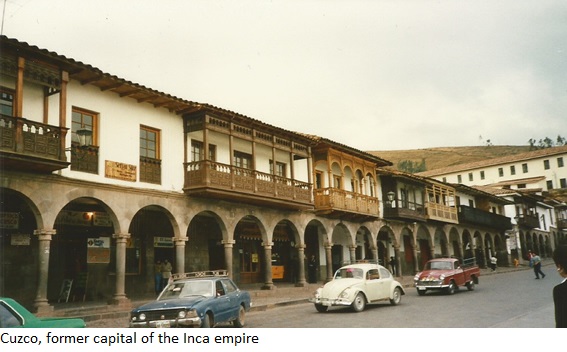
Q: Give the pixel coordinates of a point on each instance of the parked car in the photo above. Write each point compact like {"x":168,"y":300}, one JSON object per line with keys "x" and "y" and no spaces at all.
{"x":356,"y":285}
{"x":447,"y":274}
{"x":14,"y":315}
{"x":197,"y":299}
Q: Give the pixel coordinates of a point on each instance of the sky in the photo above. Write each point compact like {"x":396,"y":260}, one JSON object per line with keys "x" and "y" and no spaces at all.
{"x":370,"y":74}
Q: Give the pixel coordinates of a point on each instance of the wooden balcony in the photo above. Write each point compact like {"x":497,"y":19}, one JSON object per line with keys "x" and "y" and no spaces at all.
{"x":528,"y":221}
{"x":338,"y":203}
{"x":31,"y":146}
{"x":405,"y":211}
{"x":562,"y":224}
{"x":483,"y":218}
{"x":440,"y":212}
{"x":222,"y":181}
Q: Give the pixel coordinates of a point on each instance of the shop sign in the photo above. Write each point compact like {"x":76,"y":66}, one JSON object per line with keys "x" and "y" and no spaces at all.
{"x":10,"y":221}
{"x":98,"y":250}
{"x":20,"y":239}
{"x":101,"y":219}
{"x":163,"y":242}
{"x":75,"y":218}
{"x":120,"y":171}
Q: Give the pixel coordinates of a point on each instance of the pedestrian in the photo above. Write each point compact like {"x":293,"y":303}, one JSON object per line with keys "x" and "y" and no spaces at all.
{"x":165,"y":273}
{"x":516,"y":262}
{"x":312,"y":269}
{"x":560,"y":291}
{"x":493,"y":261}
{"x":157,"y":277}
{"x":535,"y":263}
{"x":393,"y":263}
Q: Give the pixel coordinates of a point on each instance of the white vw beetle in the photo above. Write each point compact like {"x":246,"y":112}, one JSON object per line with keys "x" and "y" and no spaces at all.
{"x":356,"y":285}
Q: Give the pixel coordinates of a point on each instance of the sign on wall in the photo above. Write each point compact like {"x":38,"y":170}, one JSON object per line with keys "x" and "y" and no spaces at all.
{"x":98,"y":250}
{"x":120,"y":171}
{"x":163,"y":242}
{"x":9,"y":221}
{"x":20,"y":239}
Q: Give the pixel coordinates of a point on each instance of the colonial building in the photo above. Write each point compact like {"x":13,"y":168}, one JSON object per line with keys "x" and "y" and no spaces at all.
{"x":101,"y":177}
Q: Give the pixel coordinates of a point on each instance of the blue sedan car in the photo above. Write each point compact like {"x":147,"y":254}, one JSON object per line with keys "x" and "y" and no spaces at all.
{"x":198,"y":299}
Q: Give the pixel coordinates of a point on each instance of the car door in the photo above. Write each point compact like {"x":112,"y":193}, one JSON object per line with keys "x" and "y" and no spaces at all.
{"x":222,"y":303}
{"x":373,"y":284}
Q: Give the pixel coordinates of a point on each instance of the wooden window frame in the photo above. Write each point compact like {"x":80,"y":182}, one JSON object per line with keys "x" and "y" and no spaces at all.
{"x":157,"y":142}
{"x":94,"y":126}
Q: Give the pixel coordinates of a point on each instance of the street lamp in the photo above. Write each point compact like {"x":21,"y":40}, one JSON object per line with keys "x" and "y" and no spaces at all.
{"x":85,"y":137}
{"x":391,"y":196}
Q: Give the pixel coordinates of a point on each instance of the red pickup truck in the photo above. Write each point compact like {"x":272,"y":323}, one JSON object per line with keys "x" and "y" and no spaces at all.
{"x":447,"y":274}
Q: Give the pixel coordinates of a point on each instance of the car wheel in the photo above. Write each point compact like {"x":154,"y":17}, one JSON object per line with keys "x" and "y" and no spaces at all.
{"x":321,"y":308}
{"x":421,"y":292}
{"x":451,"y":289}
{"x":206,"y":323}
{"x":397,"y":297}
{"x":239,"y":322}
{"x":470,"y":285}
{"x":359,"y":303}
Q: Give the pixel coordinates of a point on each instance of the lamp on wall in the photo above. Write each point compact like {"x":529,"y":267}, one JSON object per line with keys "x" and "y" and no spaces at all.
{"x":85,"y":137}
{"x":391,"y":196}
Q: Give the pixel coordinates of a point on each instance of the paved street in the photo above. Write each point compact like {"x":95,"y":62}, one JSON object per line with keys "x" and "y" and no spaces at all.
{"x":507,"y":300}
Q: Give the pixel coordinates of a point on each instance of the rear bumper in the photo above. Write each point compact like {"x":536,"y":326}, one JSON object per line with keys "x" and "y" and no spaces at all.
{"x":167,"y":323}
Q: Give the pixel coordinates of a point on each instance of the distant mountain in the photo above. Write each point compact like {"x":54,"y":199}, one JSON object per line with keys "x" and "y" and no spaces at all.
{"x":417,"y":160}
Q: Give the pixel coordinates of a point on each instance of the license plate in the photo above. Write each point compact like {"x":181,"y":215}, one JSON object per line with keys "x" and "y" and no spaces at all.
{"x":421,"y":288}
{"x":162,"y":324}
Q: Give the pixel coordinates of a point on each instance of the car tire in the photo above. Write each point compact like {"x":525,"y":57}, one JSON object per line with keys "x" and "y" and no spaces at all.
{"x":321,"y":308}
{"x":397,"y":297}
{"x":239,"y":322}
{"x":470,"y":285}
{"x":359,"y":302}
{"x":206,"y":323}
{"x":421,"y":292}
{"x":451,"y":289}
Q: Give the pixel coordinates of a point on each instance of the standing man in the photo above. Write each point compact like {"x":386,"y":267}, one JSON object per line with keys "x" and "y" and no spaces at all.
{"x":157,"y":276}
{"x":312,"y":269}
{"x":393,"y":263}
{"x":493,"y":261}
{"x":166,"y":272}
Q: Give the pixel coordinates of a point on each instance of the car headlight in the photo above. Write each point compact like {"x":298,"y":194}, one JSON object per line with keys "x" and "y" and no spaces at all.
{"x":416,"y":277}
{"x":191,"y":313}
{"x":442,"y":277}
{"x":318,"y":292}
{"x":181,"y":314}
{"x":344,"y":294}
{"x":142,"y":316}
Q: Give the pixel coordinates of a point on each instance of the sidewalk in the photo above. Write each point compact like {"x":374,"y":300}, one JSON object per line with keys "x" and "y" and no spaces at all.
{"x":95,"y":313}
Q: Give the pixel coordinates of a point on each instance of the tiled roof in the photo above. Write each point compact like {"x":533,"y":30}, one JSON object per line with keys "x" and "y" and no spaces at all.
{"x":540,"y":153}
{"x":518,"y":181}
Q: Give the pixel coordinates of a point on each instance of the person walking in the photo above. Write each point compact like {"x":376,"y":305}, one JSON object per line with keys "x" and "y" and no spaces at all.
{"x":165,"y":273}
{"x":158,"y":285}
{"x":535,"y":262}
{"x":393,"y":263}
{"x":560,"y":291}
{"x":312,"y":269}
{"x":493,"y":261}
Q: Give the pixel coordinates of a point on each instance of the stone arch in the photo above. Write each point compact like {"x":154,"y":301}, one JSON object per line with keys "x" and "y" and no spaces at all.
{"x":364,"y":246}
{"x":248,"y":254}
{"x":408,"y":260}
{"x":479,"y":249}
{"x":424,"y":245}
{"x":455,"y":243}
{"x":440,"y":242}
{"x":315,"y":239}
{"x":342,"y":241}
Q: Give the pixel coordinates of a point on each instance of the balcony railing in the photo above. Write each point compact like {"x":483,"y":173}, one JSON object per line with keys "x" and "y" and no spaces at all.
{"x":484,"y":218}
{"x":332,"y":199}
{"x":210,"y":176}
{"x":440,"y":212}
{"x":31,"y":145}
{"x":529,"y":221}
{"x":404,"y":210}
{"x":562,"y":224}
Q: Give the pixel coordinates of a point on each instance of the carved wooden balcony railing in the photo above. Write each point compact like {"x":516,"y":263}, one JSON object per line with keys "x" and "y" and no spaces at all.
{"x":333,"y":200}
{"x":529,"y":221}
{"x":231,"y":182}
{"x":27,"y":145}
{"x":440,"y":212}
{"x":483,"y":218}
{"x":150,"y":170}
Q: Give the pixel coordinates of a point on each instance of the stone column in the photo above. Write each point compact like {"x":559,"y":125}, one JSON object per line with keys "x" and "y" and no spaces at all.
{"x":415,"y":263}
{"x":44,"y":236}
{"x":329,"y":258}
{"x":179,"y":254}
{"x":398,"y":261}
{"x":119,"y":297}
{"x":352,"y":251}
{"x":268,"y":283}
{"x":228,"y":245}
{"x":375,"y":254}
{"x":301,"y":282}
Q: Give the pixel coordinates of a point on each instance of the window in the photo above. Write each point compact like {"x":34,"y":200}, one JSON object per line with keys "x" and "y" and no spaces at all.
{"x":337,"y":182}
{"x":197,"y":151}
{"x":149,"y":142}
{"x":471,"y":203}
{"x":525,"y":168}
{"x":512,"y":170}
{"x":150,"y":163}
{"x":459,"y":179}
{"x":521,"y":185}
{"x":6,"y":101}
{"x":242,"y":160}
{"x":445,"y":179}
{"x":563,"y":183}
{"x":500,"y":172}
{"x":7,"y":318}
{"x":280,"y":169}
{"x":84,"y":158}
{"x":318,"y":179}
{"x":560,"y":162}
{"x":549,"y":185}
{"x":546,"y":164}
{"x":482,"y":175}
{"x":470,"y":176}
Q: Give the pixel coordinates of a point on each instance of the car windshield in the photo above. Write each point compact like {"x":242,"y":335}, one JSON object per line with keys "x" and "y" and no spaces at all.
{"x":187,"y":289}
{"x":344,"y":273}
{"x":439,"y":266}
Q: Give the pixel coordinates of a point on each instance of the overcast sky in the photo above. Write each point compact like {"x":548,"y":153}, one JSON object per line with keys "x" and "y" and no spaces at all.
{"x":375,"y":74}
